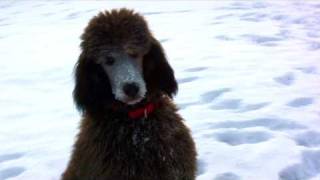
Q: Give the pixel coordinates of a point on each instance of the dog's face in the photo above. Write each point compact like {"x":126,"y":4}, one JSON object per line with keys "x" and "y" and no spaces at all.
{"x":120,"y":61}
{"x":125,"y":72}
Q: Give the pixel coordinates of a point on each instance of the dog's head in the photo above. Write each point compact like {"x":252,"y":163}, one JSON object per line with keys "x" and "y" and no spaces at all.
{"x":120,"y":61}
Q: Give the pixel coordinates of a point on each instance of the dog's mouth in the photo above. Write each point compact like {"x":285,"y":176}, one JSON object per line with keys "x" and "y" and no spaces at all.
{"x":129,"y":98}
{"x":132,"y":101}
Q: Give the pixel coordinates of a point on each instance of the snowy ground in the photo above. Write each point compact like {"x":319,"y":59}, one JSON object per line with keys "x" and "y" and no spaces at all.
{"x":249,"y":77}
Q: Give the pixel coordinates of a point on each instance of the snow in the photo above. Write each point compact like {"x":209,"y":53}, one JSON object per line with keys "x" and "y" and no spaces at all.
{"x":248,"y":73}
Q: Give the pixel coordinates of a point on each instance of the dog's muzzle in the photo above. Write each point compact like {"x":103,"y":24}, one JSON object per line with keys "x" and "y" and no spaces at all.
{"x":126,"y":79}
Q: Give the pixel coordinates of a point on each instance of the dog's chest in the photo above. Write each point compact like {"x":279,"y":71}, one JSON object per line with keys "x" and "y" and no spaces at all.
{"x":139,"y":133}
{"x":137,"y":139}
{"x":139,"y":147}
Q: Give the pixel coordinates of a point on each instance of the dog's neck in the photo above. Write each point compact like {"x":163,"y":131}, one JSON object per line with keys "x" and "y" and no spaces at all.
{"x":140,"y":110}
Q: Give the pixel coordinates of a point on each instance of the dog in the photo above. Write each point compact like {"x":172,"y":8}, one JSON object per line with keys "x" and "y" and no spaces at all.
{"x":130,"y":128}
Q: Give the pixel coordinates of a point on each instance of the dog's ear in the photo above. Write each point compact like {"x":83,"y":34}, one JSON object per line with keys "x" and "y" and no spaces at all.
{"x":92,"y":89}
{"x":158,"y":74}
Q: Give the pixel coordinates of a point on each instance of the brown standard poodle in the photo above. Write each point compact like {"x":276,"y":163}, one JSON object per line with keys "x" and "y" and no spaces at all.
{"x":130,"y":129}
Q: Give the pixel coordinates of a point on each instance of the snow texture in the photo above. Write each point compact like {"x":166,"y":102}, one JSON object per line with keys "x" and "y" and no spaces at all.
{"x":248,"y":74}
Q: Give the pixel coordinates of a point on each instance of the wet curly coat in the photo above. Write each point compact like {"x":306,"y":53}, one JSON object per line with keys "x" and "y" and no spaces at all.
{"x":110,"y":145}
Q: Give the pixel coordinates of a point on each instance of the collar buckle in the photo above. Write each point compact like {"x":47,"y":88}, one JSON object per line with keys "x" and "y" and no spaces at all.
{"x":146,"y":113}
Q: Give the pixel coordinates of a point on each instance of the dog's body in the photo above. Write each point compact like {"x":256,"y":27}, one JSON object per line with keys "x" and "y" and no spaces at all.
{"x":133,"y":133}
{"x":156,"y":148}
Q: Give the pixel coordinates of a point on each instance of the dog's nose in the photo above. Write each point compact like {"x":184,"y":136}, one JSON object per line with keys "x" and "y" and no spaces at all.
{"x":131,"y":89}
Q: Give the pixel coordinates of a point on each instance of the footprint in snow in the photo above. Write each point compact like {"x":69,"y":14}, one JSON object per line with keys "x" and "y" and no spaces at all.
{"x":11,"y":172}
{"x":224,"y":16}
{"x":299,"y":102}
{"x":227,"y":176}
{"x":253,"y":17}
{"x":77,"y":14}
{"x":227,"y":104}
{"x":286,"y":79}
{"x":306,"y":169}
{"x":196,"y":69}
{"x":186,"y":80}
{"x":181,"y":11}
{"x":270,"y":123}
{"x":236,"y":137}
{"x":262,"y":40}
{"x":314,"y":46}
{"x":284,"y":33}
{"x":300,"y":20}
{"x":5,"y":6}
{"x":230,"y":104}
{"x":317,"y":6}
{"x":73,"y":15}
{"x":253,"y":107}
{"x":308,"y":139}
{"x":8,"y":157}
{"x":212,"y":95}
{"x":152,"y":13}
{"x":2,"y":19}
{"x":308,"y":70}
{"x":280,"y":17}
{"x":313,"y":34}
{"x":259,"y":5}
{"x":236,"y":6}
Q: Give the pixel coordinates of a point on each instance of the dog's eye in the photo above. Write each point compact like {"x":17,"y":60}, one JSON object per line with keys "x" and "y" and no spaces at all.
{"x":109,"y":61}
{"x":133,"y":55}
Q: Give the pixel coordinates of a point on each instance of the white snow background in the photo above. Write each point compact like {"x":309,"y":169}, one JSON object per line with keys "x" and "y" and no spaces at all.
{"x":248,"y":73}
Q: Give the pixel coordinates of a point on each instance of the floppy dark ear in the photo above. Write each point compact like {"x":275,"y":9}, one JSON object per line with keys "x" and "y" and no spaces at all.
{"x":158,"y":74}
{"x":92,"y":89}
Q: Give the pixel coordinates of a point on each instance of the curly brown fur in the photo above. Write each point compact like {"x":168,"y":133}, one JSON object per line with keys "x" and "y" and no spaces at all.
{"x":111,"y":146}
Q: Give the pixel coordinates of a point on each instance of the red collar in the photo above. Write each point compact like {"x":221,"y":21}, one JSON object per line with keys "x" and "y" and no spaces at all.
{"x":142,"y":111}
